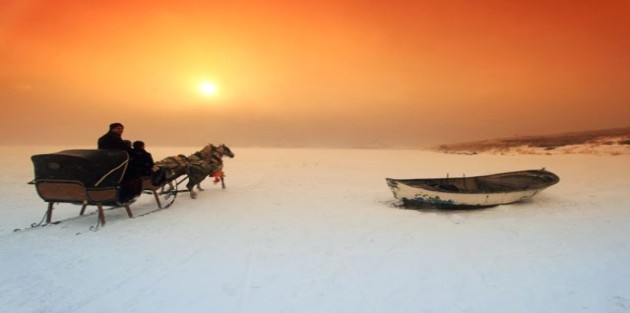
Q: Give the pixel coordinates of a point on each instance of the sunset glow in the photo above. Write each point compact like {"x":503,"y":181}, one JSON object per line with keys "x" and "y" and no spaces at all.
{"x":342,"y":72}
{"x":208,"y":88}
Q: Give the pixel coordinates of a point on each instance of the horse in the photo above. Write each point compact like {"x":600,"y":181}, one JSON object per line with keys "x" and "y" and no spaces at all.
{"x":196,"y":167}
{"x":207,"y":162}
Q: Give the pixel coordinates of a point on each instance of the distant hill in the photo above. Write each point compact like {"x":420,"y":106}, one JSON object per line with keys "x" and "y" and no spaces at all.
{"x":607,"y":141}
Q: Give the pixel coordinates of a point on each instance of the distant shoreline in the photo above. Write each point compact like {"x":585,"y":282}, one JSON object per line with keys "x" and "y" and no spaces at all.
{"x":615,"y":141}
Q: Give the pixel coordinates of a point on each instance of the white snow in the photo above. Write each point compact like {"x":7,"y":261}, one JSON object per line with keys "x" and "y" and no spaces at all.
{"x":315,"y":230}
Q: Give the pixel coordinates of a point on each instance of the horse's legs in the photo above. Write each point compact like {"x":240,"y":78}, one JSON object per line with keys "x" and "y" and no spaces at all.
{"x":193,"y":194}
{"x":190,"y":186}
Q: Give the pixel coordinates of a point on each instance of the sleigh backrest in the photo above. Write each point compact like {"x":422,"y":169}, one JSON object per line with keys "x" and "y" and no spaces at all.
{"x":93,"y":168}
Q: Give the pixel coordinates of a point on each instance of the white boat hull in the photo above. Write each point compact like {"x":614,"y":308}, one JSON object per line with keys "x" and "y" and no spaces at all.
{"x":490,"y":190}
{"x":407,"y":193}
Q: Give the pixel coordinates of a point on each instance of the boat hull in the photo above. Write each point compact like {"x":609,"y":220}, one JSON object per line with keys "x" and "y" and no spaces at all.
{"x":476,"y":191}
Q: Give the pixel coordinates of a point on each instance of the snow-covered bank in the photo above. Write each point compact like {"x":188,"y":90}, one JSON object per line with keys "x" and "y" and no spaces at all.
{"x":314,"y":230}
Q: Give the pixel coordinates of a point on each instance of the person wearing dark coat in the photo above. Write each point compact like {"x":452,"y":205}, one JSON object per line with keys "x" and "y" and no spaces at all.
{"x":112,"y":140}
{"x":142,"y":164}
{"x":142,"y":161}
{"x":131,"y":184}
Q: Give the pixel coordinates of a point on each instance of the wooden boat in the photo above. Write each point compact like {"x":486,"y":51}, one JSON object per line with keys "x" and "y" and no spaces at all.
{"x":476,"y":191}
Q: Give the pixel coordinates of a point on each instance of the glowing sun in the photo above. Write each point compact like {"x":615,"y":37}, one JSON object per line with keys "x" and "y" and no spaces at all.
{"x":208,"y":88}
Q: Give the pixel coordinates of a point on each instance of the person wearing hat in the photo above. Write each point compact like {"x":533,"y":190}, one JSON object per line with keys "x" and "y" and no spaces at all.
{"x":112,"y":140}
{"x":131,"y":184}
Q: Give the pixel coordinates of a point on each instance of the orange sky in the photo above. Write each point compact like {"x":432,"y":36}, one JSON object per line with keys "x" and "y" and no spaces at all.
{"x":342,"y":72}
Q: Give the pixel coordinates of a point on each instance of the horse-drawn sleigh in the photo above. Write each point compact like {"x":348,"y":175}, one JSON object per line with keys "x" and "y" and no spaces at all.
{"x":102,"y":178}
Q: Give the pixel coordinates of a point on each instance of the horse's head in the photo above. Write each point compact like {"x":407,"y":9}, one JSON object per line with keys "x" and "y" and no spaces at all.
{"x":224,"y":150}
